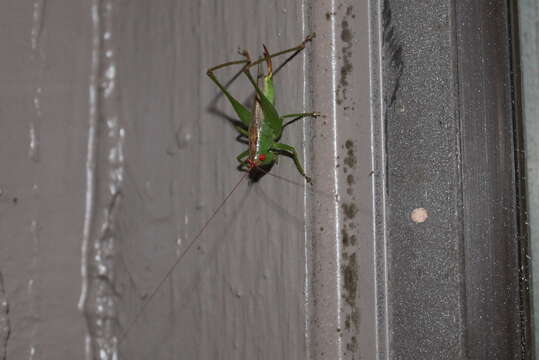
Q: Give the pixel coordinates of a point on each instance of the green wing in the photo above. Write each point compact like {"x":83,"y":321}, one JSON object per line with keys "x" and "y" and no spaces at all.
{"x":271,"y":117}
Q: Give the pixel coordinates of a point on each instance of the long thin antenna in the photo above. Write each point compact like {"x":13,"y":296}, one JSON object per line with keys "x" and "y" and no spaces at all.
{"x":178,"y":260}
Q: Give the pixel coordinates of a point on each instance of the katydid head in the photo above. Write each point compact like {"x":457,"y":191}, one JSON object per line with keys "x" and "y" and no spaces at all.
{"x":261,"y":159}
{"x":260,"y":165}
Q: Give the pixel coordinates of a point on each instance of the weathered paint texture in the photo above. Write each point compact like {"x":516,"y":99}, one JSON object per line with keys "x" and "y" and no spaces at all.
{"x":104,"y":181}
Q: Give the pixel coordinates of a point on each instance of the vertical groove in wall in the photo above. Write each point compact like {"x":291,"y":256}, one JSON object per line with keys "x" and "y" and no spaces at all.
{"x":90,"y":165}
{"x":379,"y":165}
{"x":5,"y":327}
{"x":334,"y":164}
{"x":307,"y":148}
{"x":105,"y":173}
{"x":34,"y":131}
{"x":37,"y":60}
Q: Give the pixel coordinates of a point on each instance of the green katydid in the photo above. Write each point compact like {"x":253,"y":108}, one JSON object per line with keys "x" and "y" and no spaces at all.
{"x":263,"y":128}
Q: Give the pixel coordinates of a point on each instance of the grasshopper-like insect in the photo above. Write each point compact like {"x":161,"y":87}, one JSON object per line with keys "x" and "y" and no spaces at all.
{"x":263,"y":126}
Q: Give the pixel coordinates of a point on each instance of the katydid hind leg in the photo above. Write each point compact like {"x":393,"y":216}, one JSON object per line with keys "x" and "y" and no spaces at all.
{"x":243,"y":113}
{"x":296,"y":50}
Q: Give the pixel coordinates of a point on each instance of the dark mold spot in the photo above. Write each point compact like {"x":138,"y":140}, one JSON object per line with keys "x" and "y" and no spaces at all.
{"x":355,"y":317}
{"x":350,"y":273}
{"x":349,"y":210}
{"x":329,"y":15}
{"x":352,"y":345}
{"x":350,"y":179}
{"x":350,"y":276}
{"x":350,"y":158}
{"x":347,"y":37}
{"x":350,"y":161}
{"x":15,"y":200}
{"x":345,"y":239}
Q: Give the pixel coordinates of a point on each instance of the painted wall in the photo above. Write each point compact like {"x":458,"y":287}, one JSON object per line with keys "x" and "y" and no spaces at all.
{"x":116,"y":149}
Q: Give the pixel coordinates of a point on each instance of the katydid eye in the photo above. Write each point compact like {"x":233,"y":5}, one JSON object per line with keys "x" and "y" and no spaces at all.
{"x":261,"y":157}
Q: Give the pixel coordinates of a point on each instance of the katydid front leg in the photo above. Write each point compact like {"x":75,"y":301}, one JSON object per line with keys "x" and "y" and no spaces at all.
{"x":290,"y":151}
{"x":242,"y":156}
